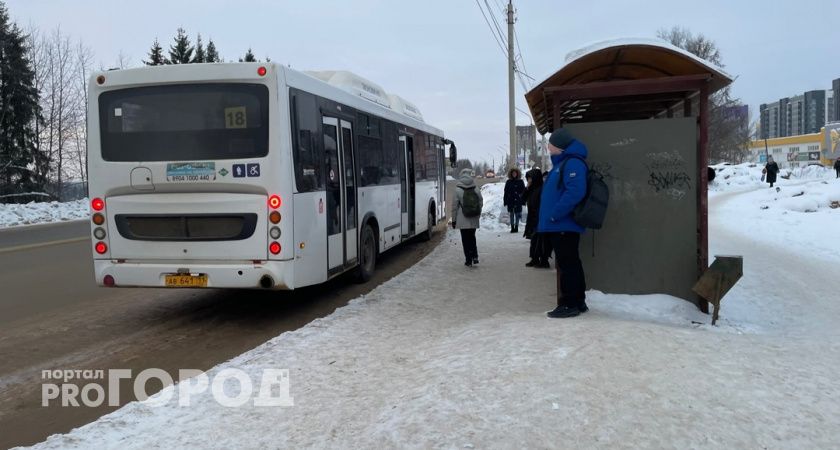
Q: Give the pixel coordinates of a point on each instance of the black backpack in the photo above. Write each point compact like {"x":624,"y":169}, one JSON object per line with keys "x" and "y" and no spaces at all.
{"x":470,"y":203}
{"x":592,"y":209}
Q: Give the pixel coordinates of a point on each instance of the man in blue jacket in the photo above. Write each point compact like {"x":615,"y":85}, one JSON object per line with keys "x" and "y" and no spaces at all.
{"x":560,"y":195}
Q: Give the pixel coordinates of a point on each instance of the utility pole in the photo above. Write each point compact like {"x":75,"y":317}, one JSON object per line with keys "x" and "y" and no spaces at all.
{"x":511,"y":104}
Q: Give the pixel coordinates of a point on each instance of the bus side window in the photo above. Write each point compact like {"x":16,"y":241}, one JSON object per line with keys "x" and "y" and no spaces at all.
{"x":308,"y":152}
{"x":420,"y":156}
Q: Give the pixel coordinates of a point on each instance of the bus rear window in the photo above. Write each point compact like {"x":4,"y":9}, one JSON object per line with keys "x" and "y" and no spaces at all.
{"x":184,"y":122}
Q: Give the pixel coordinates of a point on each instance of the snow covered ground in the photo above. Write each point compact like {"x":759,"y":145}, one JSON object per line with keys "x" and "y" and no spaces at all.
{"x":444,"y":356}
{"x":12,"y":214}
{"x":802,"y":213}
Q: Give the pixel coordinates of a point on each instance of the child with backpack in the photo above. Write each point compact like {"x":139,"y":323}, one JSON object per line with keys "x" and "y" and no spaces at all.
{"x":466,"y":214}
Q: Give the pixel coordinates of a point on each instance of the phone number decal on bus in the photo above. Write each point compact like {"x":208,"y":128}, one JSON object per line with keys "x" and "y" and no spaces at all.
{"x":191,"y":171}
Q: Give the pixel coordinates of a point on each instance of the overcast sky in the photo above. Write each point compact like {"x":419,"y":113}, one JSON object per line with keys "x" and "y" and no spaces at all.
{"x":440,"y":54}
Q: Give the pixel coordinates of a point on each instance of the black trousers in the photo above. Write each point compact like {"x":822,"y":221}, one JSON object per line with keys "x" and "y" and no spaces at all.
{"x":837,"y":172}
{"x":540,"y":247}
{"x":571,"y":281}
{"x":470,"y":246}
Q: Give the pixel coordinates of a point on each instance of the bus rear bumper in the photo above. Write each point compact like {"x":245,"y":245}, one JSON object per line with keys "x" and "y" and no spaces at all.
{"x":265,"y":275}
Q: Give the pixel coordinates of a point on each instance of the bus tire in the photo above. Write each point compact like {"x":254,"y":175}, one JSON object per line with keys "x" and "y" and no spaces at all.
{"x":367,"y":255}
{"x":427,"y":235}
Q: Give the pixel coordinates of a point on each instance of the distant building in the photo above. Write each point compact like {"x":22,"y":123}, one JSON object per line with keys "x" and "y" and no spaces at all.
{"x":526,"y":145}
{"x":794,"y":116}
{"x":835,"y":86}
{"x":798,"y":151}
{"x":739,"y":112}
{"x":813,"y":112}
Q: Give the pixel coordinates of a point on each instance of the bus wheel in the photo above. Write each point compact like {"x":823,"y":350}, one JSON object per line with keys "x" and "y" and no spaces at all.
{"x":367,"y":256}
{"x":427,"y":235}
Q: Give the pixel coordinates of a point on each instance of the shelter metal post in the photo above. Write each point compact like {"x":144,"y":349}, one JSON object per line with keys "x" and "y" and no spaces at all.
{"x":702,"y":194}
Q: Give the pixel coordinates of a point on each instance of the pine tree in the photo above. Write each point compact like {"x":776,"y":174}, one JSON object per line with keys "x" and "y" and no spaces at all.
{"x":200,"y":54}
{"x":156,"y":57}
{"x":212,"y":53}
{"x":181,"y":52}
{"x":20,"y":162}
{"x":249,"y":57}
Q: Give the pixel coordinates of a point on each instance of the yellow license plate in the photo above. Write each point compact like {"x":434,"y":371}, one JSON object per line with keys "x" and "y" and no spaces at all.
{"x":186,"y":280}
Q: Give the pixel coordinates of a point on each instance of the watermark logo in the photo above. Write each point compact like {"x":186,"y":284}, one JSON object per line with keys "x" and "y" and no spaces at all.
{"x":229,"y":387}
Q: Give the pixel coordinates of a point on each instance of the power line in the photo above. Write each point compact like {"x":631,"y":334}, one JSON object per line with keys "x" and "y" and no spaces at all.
{"x":495,"y":22}
{"x":492,"y":31}
{"x":521,"y":56}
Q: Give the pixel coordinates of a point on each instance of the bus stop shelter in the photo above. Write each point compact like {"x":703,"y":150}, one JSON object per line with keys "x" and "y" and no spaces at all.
{"x":641,"y":107}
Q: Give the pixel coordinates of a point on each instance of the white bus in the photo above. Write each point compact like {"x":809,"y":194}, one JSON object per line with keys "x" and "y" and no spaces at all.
{"x":254,"y":175}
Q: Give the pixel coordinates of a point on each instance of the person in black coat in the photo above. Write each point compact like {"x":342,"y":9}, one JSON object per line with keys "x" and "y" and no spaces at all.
{"x":540,"y":249}
{"x":514,"y":189}
{"x":837,"y":168}
{"x":771,"y":169}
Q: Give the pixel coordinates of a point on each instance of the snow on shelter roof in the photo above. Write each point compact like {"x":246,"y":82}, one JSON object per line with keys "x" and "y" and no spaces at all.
{"x":621,"y":61}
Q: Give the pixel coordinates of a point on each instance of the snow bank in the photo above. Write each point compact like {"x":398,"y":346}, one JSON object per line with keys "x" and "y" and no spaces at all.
{"x":494,"y":215}
{"x":745,"y":176}
{"x":801,"y":215}
{"x":12,"y":214}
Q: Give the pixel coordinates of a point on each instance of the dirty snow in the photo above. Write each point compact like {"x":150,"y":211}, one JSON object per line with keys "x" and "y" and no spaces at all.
{"x":12,"y":214}
{"x":444,"y":356}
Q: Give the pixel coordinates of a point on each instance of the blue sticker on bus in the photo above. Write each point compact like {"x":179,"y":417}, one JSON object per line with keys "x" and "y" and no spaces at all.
{"x":191,"y":171}
{"x":239,"y":170}
{"x":254,"y":170}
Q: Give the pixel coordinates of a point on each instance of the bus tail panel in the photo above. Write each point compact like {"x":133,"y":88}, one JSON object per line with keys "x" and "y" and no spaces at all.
{"x":188,"y":226}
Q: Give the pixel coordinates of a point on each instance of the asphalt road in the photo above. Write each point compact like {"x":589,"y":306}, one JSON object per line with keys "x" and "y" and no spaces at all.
{"x":52,"y":316}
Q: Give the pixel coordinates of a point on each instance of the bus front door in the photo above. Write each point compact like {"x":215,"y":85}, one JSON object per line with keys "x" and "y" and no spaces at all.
{"x":341,"y":194}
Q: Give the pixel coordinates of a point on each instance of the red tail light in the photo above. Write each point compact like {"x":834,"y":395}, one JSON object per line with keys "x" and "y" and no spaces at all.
{"x":274,"y":248}
{"x":274,"y":202}
{"x":101,"y":248}
{"x":97,"y":204}
{"x":108,"y":280}
{"x":262,"y":71}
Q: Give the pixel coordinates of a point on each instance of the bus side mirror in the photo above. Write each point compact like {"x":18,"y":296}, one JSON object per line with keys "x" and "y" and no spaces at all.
{"x":453,"y":154}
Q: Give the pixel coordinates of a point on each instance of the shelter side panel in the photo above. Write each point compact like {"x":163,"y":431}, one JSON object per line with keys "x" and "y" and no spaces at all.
{"x":648,"y":243}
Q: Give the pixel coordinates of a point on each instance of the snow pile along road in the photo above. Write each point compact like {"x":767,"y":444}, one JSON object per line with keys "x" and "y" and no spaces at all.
{"x":494,"y":215}
{"x":12,"y":214}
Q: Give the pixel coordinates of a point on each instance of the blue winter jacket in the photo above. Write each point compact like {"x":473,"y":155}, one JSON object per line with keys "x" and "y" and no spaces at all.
{"x":558,"y":202}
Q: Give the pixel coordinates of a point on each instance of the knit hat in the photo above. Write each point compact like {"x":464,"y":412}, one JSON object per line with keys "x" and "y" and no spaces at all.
{"x":561,"y":138}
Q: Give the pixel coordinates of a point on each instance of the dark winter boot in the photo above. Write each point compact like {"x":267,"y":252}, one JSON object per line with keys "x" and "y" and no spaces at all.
{"x":563,"y":312}
{"x":543,"y":265}
{"x":532,"y":263}
{"x":475,"y":261}
{"x":582,"y":306}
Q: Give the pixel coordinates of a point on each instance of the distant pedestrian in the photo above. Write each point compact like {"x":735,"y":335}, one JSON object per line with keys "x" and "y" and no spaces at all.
{"x":837,"y":168}
{"x":540,"y":249}
{"x":563,"y":190}
{"x":514,"y":188}
{"x":466,"y":214}
{"x":770,"y":169}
